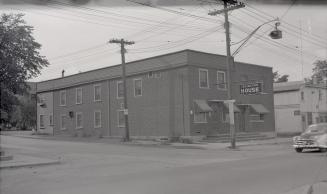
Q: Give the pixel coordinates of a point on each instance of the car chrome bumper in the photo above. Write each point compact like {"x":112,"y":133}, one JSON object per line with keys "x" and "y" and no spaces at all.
{"x":310,"y":146}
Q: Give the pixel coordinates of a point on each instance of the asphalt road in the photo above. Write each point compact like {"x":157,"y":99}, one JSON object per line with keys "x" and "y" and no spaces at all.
{"x":96,"y":168}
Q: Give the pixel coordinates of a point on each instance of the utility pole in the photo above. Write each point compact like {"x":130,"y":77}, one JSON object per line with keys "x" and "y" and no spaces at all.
{"x":228,"y":6}
{"x":122,"y":43}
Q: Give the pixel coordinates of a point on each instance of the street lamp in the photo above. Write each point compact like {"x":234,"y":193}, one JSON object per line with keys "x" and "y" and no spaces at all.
{"x":275,"y":34}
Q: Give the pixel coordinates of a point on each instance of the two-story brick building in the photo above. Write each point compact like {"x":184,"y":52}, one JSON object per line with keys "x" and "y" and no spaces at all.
{"x":172,"y":95}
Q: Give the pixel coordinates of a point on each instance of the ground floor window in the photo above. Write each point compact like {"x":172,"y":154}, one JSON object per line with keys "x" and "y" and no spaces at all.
{"x":41,"y":121}
{"x":97,"y":119}
{"x":257,"y":117}
{"x":79,"y":120}
{"x":63,"y":122}
{"x":225,"y":117}
{"x":51,"y":120}
{"x":120,"y":118}
{"x":200,"y":117}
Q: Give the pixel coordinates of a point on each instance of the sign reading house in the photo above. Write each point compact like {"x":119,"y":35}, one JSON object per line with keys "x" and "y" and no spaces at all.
{"x":250,"y":89}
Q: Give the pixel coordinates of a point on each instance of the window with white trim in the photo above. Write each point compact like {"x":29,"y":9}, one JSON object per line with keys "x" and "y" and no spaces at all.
{"x":221,"y":80}
{"x":79,"y":95}
{"x":203,"y":78}
{"x":120,"y":118}
{"x":97,"y":119}
{"x":62,"y":98}
{"x":200,"y":117}
{"x":257,"y":117}
{"x":79,"y":120}
{"x":97,"y":92}
{"x":150,"y":74}
{"x":62,"y":122}
{"x":51,"y":120}
{"x":137,"y":87}
{"x":41,"y":121}
{"x":225,"y":117}
{"x":157,"y":74}
{"x":120,"y":89}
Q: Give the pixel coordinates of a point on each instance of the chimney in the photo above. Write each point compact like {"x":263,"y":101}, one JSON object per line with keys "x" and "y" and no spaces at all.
{"x":63,"y":73}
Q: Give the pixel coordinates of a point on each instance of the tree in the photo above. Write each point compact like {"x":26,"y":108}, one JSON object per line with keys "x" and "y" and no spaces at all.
{"x":278,"y":78}
{"x":320,"y":70}
{"x":20,"y":59}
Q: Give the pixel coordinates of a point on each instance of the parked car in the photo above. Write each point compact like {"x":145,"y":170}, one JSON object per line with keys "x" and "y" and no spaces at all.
{"x":314,"y":137}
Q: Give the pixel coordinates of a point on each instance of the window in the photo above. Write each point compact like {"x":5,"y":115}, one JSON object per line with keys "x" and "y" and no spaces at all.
{"x":137,"y":87}
{"x":120,"y":118}
{"x":302,"y":95}
{"x":63,"y":122}
{"x":97,"y":92}
{"x":203,"y":78}
{"x":79,"y":96}
{"x":225,"y":117}
{"x":51,"y":120}
{"x":200,"y":117}
{"x":120,"y":89}
{"x":297,"y":113}
{"x":221,"y":80}
{"x":303,"y":118}
{"x":79,"y":120}
{"x":97,"y":119}
{"x":157,"y":74}
{"x":41,"y":121}
{"x":63,"y":98}
{"x":309,"y":118}
{"x":257,"y":118}
{"x":40,"y":99}
{"x":320,"y":95}
{"x":150,"y":74}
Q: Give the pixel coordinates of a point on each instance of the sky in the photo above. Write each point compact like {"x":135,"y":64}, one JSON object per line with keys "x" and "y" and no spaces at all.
{"x":74,"y":34}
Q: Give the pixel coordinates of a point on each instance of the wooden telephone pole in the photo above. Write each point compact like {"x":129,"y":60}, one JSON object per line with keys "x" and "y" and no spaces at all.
{"x":228,"y":6}
{"x":122,"y":43}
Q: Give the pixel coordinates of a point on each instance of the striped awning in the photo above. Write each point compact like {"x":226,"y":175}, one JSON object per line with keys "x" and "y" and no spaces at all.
{"x":202,"y":106}
{"x":258,"y":108}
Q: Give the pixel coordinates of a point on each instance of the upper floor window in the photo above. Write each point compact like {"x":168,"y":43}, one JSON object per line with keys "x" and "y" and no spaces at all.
{"x":319,"y":95}
{"x":97,"y":92}
{"x":97,"y":119}
{"x":203,"y":78}
{"x":157,"y":74}
{"x":137,"y":87}
{"x":150,"y":74}
{"x":79,"y":96}
{"x":120,"y":89}
{"x":302,"y":95}
{"x":221,"y":80}
{"x":63,"y":98}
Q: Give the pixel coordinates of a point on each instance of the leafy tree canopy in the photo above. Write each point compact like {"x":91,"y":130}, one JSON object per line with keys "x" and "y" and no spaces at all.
{"x":20,"y":58}
{"x":320,"y":70}
{"x":280,"y":78}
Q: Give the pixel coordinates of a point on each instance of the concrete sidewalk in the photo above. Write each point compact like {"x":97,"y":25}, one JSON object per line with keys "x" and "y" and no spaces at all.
{"x":26,"y":161}
{"x":177,"y":145}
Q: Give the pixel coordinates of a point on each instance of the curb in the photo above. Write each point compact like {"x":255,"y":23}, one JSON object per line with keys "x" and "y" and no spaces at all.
{"x":13,"y":166}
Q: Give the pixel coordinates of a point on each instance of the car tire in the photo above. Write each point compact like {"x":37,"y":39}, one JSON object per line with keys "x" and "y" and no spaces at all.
{"x":323,"y":149}
{"x":299,"y":150}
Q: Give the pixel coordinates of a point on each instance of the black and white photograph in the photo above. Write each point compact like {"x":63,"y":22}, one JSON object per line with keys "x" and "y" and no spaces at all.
{"x":163,"y":96}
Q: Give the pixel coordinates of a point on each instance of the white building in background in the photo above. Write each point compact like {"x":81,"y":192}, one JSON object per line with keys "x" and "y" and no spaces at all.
{"x":298,"y":104}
